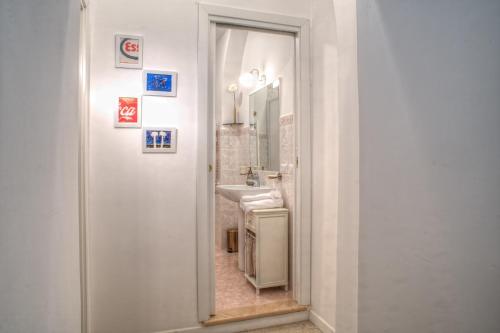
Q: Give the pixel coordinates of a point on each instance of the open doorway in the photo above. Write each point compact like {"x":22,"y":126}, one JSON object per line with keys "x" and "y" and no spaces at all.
{"x":254,"y":136}
{"x":254,"y":167}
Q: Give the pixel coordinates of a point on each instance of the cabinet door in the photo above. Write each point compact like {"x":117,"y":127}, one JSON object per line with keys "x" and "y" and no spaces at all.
{"x":272,"y":248}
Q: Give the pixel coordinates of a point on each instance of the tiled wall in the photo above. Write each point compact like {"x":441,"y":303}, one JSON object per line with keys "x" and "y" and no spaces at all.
{"x":226,"y":217}
{"x":287,"y":166}
{"x":232,"y":151}
{"x":232,"y":146}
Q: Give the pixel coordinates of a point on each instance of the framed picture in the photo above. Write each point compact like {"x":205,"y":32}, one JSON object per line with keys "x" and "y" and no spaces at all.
{"x":158,"y":83}
{"x":159,"y":140}
{"x":128,"y":51}
{"x":128,"y":113}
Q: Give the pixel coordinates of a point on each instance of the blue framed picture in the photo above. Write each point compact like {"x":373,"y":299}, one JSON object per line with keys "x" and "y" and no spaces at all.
{"x":159,"y":83}
{"x":159,"y":140}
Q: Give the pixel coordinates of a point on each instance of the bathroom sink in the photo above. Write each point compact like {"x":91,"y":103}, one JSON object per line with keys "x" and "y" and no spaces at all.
{"x":235,"y":192}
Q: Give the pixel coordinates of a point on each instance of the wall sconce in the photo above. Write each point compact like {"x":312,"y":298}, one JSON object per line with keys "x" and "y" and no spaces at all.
{"x":250,"y":79}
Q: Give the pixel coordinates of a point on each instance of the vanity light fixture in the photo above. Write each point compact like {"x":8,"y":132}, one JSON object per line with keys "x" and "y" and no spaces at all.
{"x":250,"y":79}
{"x":262,"y":79}
{"x":255,"y":73}
{"x":247,"y":80}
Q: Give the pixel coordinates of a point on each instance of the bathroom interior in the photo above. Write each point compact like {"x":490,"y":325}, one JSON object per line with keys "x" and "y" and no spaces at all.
{"x":255,"y":161}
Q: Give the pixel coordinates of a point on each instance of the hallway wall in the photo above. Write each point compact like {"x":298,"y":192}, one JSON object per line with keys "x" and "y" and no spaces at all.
{"x":429,"y":83}
{"x":142,"y":206}
{"x":39,"y":250}
{"x":335,"y":176}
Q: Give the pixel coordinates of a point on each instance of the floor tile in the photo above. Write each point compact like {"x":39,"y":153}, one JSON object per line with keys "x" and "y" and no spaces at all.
{"x":232,"y":290}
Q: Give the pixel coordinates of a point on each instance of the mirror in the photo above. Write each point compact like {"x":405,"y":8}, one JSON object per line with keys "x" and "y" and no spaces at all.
{"x":264,"y":109}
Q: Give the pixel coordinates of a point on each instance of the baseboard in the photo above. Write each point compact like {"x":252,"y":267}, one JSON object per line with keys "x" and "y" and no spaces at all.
{"x":320,"y":322}
{"x":250,"y":324}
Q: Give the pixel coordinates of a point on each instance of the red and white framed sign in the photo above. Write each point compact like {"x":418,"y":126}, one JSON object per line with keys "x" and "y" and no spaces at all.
{"x":129,"y":112}
{"x":128,"y":51}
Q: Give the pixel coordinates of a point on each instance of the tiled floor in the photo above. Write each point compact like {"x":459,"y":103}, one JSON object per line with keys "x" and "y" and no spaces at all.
{"x":302,"y":327}
{"x":233,"y":291}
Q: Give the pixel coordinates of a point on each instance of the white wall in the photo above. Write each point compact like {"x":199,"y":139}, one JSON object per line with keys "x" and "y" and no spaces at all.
{"x":239,"y":51}
{"x":221,"y":93}
{"x":430,"y":177}
{"x":230,"y":49}
{"x":39,"y":260}
{"x":142,"y":207}
{"x":335,"y":108}
{"x":325,"y":159}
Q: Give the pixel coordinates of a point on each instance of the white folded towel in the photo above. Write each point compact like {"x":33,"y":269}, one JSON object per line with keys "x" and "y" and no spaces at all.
{"x":270,"y":195}
{"x":261,"y":204}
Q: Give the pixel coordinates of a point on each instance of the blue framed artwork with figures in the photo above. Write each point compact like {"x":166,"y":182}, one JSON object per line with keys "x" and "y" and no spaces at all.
{"x":159,"y":140}
{"x":159,"y":83}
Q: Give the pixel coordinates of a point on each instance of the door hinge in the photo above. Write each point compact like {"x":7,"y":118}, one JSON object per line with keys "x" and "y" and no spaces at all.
{"x":210,"y":168}
{"x":296,"y":161}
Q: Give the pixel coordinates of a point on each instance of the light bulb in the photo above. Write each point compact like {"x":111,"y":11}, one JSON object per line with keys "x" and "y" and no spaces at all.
{"x":247,"y":80}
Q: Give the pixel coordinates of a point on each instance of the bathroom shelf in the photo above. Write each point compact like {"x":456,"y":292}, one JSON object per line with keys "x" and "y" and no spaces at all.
{"x":269,"y":228}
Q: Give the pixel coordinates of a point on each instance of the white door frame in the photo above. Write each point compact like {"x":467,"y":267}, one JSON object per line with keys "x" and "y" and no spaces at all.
{"x":83,"y":101}
{"x":208,"y":16}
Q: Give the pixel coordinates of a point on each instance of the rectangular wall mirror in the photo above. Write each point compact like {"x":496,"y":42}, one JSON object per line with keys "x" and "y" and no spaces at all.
{"x":264,"y":120}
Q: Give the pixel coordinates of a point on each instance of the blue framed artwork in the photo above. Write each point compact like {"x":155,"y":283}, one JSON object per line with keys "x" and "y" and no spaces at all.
{"x":159,"y":83}
{"x":159,"y":140}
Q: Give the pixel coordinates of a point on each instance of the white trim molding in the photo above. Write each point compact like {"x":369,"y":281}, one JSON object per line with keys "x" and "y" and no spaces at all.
{"x":208,"y":16}
{"x":320,"y":322}
{"x":303,"y":180}
{"x":83,"y":101}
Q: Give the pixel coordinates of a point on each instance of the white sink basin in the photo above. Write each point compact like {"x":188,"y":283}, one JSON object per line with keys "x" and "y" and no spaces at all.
{"x":235,"y":192}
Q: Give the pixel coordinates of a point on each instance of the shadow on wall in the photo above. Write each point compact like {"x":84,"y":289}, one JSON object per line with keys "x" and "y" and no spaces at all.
{"x":430,"y":183}
{"x":325,"y":159}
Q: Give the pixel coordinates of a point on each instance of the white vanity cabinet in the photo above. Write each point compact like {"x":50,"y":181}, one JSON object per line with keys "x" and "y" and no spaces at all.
{"x":266,"y":248}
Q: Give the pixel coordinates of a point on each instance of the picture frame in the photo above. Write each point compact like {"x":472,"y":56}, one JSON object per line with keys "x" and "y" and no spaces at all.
{"x":159,"y":83}
{"x":129,"y":113}
{"x":128,"y":51}
{"x":159,"y":140}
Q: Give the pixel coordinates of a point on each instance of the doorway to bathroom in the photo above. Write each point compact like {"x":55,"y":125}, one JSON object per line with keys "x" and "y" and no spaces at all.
{"x":254,"y":167}
{"x":253,"y":196}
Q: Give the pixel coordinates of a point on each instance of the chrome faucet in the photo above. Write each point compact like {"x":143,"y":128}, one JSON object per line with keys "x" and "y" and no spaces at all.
{"x":252,"y":178}
{"x":277,"y":176}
